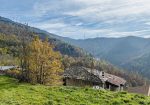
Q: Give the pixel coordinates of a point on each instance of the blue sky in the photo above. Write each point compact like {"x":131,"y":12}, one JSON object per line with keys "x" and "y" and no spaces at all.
{"x":79,"y":18}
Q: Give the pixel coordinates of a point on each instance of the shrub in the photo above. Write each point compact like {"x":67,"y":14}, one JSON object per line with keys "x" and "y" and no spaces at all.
{"x":142,"y":103}
{"x":126,"y":101}
{"x":13,"y":73}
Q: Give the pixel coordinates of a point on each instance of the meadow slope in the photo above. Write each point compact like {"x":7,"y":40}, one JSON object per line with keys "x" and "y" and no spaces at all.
{"x":14,"y":93}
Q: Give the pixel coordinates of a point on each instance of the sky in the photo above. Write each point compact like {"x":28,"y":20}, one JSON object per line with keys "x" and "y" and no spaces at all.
{"x":80,"y":19}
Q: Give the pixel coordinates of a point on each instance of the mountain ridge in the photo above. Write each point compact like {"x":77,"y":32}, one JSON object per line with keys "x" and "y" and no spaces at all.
{"x":118,"y":51}
{"x":10,"y":27}
{"x":75,"y":55}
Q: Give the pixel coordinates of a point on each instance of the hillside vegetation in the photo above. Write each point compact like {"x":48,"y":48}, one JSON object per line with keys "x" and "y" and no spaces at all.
{"x":11,"y":40}
{"x":9,"y":49}
{"x":11,"y":28}
{"x":14,"y":93}
{"x":131,"y":53}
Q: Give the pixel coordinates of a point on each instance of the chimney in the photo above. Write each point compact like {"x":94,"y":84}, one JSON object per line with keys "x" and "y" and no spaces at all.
{"x":103,"y":75}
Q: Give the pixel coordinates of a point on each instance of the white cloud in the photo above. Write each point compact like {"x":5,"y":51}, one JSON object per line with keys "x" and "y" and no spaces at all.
{"x":108,"y":12}
{"x":51,"y":25}
{"x":112,"y":9}
{"x":79,"y":32}
{"x":94,"y":9}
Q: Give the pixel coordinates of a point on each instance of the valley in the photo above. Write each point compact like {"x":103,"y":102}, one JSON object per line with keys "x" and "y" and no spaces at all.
{"x":75,"y":52}
{"x":130,"y":53}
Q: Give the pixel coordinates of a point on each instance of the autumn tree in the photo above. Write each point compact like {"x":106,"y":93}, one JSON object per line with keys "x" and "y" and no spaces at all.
{"x":41,"y":63}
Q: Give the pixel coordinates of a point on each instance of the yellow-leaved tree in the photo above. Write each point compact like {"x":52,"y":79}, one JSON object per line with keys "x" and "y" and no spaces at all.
{"x":41,"y":64}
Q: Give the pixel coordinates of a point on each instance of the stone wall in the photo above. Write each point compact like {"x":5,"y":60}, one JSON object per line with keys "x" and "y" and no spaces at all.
{"x":78,"y":82}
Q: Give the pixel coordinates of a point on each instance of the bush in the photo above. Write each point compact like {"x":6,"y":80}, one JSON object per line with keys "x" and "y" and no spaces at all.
{"x":126,"y":101}
{"x":142,"y":103}
{"x":13,"y":73}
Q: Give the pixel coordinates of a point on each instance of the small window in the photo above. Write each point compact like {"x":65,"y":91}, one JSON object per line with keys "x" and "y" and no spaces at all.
{"x":103,"y":74}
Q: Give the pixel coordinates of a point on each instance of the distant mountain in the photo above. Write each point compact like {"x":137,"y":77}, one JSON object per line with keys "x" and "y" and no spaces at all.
{"x":140,"y":64}
{"x":132,"y":53}
{"x":12,"y":32}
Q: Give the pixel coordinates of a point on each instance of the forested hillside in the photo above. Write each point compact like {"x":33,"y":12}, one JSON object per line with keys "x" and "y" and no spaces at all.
{"x":14,"y":34}
{"x":130,"y":53}
{"x":140,"y":64}
{"x":9,"y":49}
{"x":10,"y":28}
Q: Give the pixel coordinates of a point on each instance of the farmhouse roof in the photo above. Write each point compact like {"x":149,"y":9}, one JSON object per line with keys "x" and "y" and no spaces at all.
{"x":93,"y":75}
{"x":115,"y":80}
{"x":81,"y":73}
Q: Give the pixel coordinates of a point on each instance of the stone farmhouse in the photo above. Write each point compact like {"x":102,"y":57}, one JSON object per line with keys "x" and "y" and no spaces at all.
{"x":81,"y":76}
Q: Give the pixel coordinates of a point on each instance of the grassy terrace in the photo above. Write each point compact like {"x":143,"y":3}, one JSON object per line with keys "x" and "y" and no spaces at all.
{"x":14,"y":93}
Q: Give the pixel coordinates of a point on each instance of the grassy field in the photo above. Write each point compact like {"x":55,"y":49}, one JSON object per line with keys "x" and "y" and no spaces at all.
{"x":14,"y":93}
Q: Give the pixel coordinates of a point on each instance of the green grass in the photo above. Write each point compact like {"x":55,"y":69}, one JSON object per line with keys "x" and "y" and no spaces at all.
{"x":14,"y":93}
